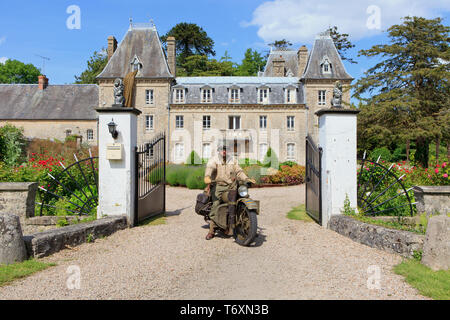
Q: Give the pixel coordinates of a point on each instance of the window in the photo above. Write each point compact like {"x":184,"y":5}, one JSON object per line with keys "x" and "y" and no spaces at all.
{"x":149,"y":96}
{"x":179,"y":122}
{"x":90,"y":135}
{"x":290,"y":151}
{"x":262,"y":151}
{"x":206,"y":95}
{"x":149,"y":122}
{"x":206,"y":154}
{"x":179,"y":151}
{"x":291,"y":96}
{"x":235,"y":95}
{"x":322,"y":97}
{"x":263,"y":122}
{"x":291,"y":123}
{"x":263,"y":96}
{"x":68,"y":133}
{"x":206,"y":122}
{"x":234,"y":122}
{"x":179,"y":96}
{"x":326,"y":67}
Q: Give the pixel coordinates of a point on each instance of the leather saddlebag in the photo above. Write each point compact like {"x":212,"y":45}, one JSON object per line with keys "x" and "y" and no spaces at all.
{"x":202,"y":203}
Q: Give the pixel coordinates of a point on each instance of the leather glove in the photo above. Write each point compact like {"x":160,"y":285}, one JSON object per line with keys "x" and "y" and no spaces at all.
{"x":208,"y":180}
{"x":252,"y":181}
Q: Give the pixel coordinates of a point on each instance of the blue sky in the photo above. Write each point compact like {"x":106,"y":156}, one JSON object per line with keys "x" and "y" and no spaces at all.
{"x":31,"y":28}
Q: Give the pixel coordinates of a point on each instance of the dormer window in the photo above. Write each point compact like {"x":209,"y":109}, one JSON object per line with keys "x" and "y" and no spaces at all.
{"x":263,"y":95}
{"x":178,"y":95}
{"x":136,"y":64}
{"x":234,"y":95}
{"x":206,"y":94}
{"x":326,"y":65}
{"x":290,"y":94}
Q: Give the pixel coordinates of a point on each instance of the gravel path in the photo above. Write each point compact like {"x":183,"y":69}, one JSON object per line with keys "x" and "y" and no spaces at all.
{"x":291,"y":260}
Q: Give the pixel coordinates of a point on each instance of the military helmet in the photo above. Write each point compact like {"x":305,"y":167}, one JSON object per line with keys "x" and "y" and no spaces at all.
{"x":221,"y":146}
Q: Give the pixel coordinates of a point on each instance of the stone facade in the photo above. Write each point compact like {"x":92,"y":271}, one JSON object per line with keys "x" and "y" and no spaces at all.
{"x":432,"y":199}
{"x":18,"y":198}
{"x":436,"y":251}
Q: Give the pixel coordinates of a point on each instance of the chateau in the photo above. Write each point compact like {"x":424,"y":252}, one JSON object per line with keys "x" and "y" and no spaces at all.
{"x":272,"y":110}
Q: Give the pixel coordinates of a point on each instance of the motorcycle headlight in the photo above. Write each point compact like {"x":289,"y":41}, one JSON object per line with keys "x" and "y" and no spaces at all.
{"x":243,"y":191}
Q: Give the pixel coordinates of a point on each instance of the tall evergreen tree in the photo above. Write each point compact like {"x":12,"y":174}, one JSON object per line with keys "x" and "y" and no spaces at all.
{"x":252,"y":63}
{"x":342,"y":43}
{"x":409,"y":87}
{"x":95,"y":65}
{"x":280,"y":44}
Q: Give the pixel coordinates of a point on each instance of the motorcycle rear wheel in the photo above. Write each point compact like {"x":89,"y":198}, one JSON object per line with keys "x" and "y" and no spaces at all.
{"x":246,"y":226}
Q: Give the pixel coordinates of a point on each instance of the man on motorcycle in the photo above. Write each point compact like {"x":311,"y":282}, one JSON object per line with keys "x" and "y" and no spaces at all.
{"x":224,"y":169}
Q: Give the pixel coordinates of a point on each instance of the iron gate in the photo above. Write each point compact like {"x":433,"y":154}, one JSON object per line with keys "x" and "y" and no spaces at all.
{"x":150,"y":178}
{"x":313,"y":180}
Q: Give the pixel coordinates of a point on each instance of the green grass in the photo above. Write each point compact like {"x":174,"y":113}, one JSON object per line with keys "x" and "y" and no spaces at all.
{"x":299,"y":213}
{"x":391,"y":224}
{"x":9,"y":273}
{"x":433,"y":284}
{"x":154,"y":221}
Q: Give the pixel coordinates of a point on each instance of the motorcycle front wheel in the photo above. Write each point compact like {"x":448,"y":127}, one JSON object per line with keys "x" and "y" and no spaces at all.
{"x":246,"y":226}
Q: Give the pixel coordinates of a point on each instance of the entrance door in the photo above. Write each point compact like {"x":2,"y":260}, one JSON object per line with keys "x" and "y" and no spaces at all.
{"x":313,"y":180}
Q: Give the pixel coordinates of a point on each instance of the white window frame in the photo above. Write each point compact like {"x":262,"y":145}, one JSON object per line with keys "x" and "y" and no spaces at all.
{"x":179,"y":95}
{"x":234,"y":95}
{"x":179,"y":122}
{"x":208,"y":154}
{"x":261,"y":149}
{"x":90,"y":135}
{"x":149,"y":122}
{"x":263,"y":95}
{"x":292,"y":156}
{"x":234,"y":122}
{"x":262,"y":120}
{"x":179,"y":151}
{"x":149,"y":96}
{"x":290,"y":95}
{"x":322,"y":97}
{"x":206,"y":95}
{"x":290,"y":123}
{"x":326,"y":64}
{"x":206,"y":120}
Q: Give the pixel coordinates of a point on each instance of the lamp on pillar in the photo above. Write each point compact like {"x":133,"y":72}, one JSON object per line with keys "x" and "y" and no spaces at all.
{"x":112,"y":129}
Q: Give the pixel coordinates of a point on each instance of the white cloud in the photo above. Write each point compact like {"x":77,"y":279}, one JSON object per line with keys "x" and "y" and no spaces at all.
{"x":301,"y":20}
{"x":3,"y":60}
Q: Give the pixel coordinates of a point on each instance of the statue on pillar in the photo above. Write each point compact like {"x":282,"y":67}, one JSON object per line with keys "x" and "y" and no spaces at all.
{"x":119,"y":99}
{"x":336,"y":102}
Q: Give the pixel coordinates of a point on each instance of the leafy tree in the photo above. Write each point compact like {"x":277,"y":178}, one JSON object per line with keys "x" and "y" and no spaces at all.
{"x":95,"y":65}
{"x":251,"y":64}
{"x":200,"y":65}
{"x":190,"y":40}
{"x":342,"y":43}
{"x":280,"y":44}
{"x":12,"y":144}
{"x":409,"y":87}
{"x":14,"y":71}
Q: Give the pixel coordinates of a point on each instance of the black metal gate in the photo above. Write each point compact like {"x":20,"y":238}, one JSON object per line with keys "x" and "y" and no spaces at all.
{"x":313,"y":180}
{"x":150,"y":179}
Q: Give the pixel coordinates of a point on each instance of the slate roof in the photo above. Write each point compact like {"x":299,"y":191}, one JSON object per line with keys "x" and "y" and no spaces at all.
{"x":56,"y":102}
{"x":324,"y":47}
{"x":291,"y":62}
{"x":144,"y":44}
{"x":249,"y":88}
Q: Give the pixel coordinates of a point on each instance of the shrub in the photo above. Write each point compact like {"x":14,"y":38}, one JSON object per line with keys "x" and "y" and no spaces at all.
{"x":253,"y":172}
{"x":287,"y":175}
{"x":195,"y":179}
{"x":245,"y":162}
{"x":288,"y":163}
{"x":383,"y":152}
{"x":271,"y":159}
{"x":194,"y":159}
{"x":399,"y":153}
{"x":12,"y":145}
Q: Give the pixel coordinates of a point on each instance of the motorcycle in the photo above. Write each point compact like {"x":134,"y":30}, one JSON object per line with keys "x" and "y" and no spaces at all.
{"x":247,"y":210}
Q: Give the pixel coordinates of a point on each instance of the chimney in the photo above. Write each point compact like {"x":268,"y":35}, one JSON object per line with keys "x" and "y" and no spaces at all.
{"x":42,"y":82}
{"x":112,"y":46}
{"x":171,"y":55}
{"x":278,"y":67}
{"x":302,"y":55}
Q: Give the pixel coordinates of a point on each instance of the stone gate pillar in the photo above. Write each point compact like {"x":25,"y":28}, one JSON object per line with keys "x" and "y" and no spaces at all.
{"x":117,"y":162}
{"x":337,"y":137}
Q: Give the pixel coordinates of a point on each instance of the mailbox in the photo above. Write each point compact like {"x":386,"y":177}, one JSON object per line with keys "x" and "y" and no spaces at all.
{"x":114,"y":151}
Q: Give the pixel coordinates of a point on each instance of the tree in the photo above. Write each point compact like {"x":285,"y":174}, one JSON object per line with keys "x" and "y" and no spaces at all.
{"x":280,"y":44}
{"x":14,"y":71}
{"x":190,"y":40}
{"x":409,"y":87}
{"x":342,"y":43}
{"x":200,"y":65}
{"x":251,"y":64}
{"x":95,"y":65}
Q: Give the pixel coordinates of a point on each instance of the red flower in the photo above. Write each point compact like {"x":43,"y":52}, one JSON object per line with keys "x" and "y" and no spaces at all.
{"x":445,"y":175}
{"x":436,"y":170}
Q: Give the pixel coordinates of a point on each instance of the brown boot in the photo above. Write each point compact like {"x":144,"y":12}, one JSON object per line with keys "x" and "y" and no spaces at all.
{"x":211,"y":232}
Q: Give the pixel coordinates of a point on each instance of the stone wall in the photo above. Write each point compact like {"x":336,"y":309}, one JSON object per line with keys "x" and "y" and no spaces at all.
{"x":395,"y":241}
{"x":18,"y":198}
{"x":432,"y":199}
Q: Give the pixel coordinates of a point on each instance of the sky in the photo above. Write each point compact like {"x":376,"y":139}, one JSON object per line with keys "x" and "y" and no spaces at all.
{"x":69,"y":31}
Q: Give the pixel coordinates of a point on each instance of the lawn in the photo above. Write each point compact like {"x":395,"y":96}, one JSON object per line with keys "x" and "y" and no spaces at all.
{"x":154,"y":221}
{"x":9,"y":273}
{"x":433,"y":284}
{"x":299,"y":213}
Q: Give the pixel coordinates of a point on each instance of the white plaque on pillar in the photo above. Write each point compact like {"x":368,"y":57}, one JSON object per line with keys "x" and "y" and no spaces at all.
{"x":114,"y":151}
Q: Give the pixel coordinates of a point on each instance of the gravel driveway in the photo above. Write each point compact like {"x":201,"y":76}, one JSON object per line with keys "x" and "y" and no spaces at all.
{"x":291,"y":260}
